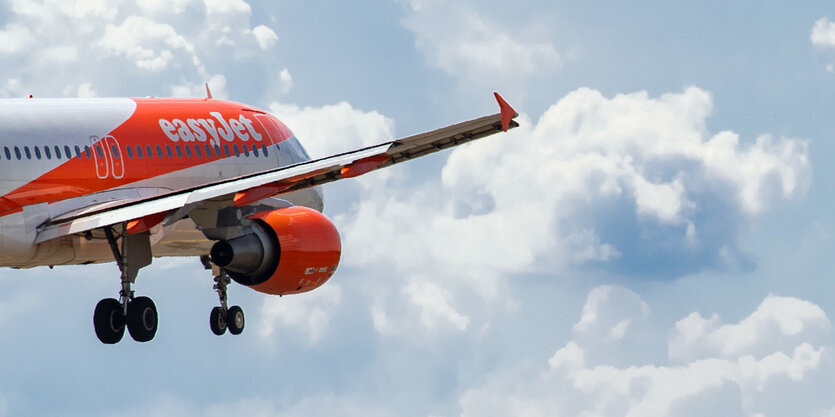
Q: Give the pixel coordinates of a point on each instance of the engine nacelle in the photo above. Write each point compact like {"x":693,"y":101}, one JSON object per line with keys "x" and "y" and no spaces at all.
{"x":287,"y":251}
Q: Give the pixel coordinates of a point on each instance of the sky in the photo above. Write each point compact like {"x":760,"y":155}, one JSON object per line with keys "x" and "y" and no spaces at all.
{"x":655,"y":239}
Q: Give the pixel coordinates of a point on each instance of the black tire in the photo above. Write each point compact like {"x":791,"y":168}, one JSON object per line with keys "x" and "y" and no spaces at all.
{"x":235,"y":320}
{"x":142,"y":319}
{"x":217,"y":321}
{"x":109,"y":321}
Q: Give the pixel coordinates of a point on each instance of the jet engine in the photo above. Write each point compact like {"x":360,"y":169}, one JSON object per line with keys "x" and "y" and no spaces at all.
{"x":286,"y":251}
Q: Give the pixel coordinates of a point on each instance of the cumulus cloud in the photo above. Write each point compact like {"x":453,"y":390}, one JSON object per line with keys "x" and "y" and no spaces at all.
{"x":630,"y":183}
{"x":309,"y":314}
{"x":265,"y":36}
{"x":334,"y":128}
{"x":777,"y":318}
{"x":461,"y":41}
{"x":146,"y":41}
{"x":823,"y":37}
{"x":738,"y":383}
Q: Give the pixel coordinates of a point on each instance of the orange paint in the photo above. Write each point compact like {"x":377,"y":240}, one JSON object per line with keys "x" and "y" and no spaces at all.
{"x":310,"y":250}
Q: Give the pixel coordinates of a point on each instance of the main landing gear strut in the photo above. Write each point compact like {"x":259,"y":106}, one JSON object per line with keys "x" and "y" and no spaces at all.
{"x":224,"y":317}
{"x":138,"y":314}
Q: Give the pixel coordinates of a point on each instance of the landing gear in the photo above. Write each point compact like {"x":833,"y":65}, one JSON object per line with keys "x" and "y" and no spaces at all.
{"x":224,"y":317}
{"x":138,"y":314}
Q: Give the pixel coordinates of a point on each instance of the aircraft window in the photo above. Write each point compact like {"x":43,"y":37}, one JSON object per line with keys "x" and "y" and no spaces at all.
{"x":264,"y":150}
{"x":77,"y":152}
{"x":129,"y":151}
{"x":217,"y":150}
{"x":47,"y":152}
{"x":188,"y":150}
{"x":139,"y":152}
{"x":37,"y":152}
{"x":179,"y":150}
{"x":255,"y":149}
{"x":57,"y":152}
{"x":115,"y":151}
{"x":27,"y":152}
{"x":159,"y":152}
{"x":246,"y":150}
{"x":237,"y":151}
{"x":208,"y":150}
{"x":148,"y":151}
{"x":17,"y":152}
{"x":226,"y":150}
{"x":67,"y":151}
{"x":88,"y":152}
{"x":198,"y":151}
{"x":168,"y":151}
{"x":8,"y":153}
{"x":99,"y":152}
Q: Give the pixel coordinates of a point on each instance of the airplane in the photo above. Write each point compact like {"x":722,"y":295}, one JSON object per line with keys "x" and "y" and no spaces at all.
{"x":126,"y":180}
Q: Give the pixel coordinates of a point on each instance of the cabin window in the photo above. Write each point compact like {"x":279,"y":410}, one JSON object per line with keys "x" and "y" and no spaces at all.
{"x":99,"y":153}
{"x":148,"y":151}
{"x":168,"y":151}
{"x":67,"y":152}
{"x":37,"y":152}
{"x":88,"y":152}
{"x":139,"y":152}
{"x":17,"y":152}
{"x":57,"y":152}
{"x":246,"y":150}
{"x":217,"y":150}
{"x":8,"y":153}
{"x":179,"y":150}
{"x":188,"y":150}
{"x":255,"y":150}
{"x":159,"y":152}
{"x":237,"y":151}
{"x":208,"y":150}
{"x":226,"y":150}
{"x":198,"y":151}
{"x":129,"y":151}
{"x":264,"y":150}
{"x":47,"y":152}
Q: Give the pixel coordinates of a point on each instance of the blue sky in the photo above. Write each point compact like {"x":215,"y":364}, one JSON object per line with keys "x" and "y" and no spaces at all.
{"x":655,"y":239}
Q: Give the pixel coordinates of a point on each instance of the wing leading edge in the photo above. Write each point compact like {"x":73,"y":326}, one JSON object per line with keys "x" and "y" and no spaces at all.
{"x":142,"y":214}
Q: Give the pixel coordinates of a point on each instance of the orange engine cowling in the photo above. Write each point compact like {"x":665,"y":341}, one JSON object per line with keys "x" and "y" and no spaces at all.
{"x":287,"y":251}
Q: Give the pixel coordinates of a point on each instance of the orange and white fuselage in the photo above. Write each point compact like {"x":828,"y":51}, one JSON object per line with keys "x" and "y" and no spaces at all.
{"x":61,"y":155}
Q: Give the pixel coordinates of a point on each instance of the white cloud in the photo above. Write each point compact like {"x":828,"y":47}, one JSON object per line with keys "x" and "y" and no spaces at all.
{"x":627,"y":182}
{"x":285,"y":81}
{"x":776,"y":318}
{"x":227,"y":6}
{"x":823,"y":33}
{"x":823,"y":37}
{"x":265,"y":36}
{"x":435,"y":306}
{"x":147,"y":43}
{"x":309,"y":314}
{"x":149,"y":38}
{"x":575,"y":384}
{"x":334,"y":128}
{"x":459,"y":40}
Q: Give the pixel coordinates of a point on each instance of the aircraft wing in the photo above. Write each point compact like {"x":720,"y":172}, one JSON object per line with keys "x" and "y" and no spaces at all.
{"x":143,"y":213}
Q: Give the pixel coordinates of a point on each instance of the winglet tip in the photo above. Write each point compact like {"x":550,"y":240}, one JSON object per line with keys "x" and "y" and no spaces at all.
{"x":507,"y":111}
{"x":208,"y":92}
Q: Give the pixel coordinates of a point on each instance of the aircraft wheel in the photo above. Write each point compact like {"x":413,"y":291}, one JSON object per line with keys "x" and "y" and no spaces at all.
{"x":217,"y":321}
{"x":109,"y":321}
{"x":142,"y":319}
{"x":235,"y":320}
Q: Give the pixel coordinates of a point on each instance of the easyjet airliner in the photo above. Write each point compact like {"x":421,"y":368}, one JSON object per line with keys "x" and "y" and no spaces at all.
{"x":126,"y":180}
